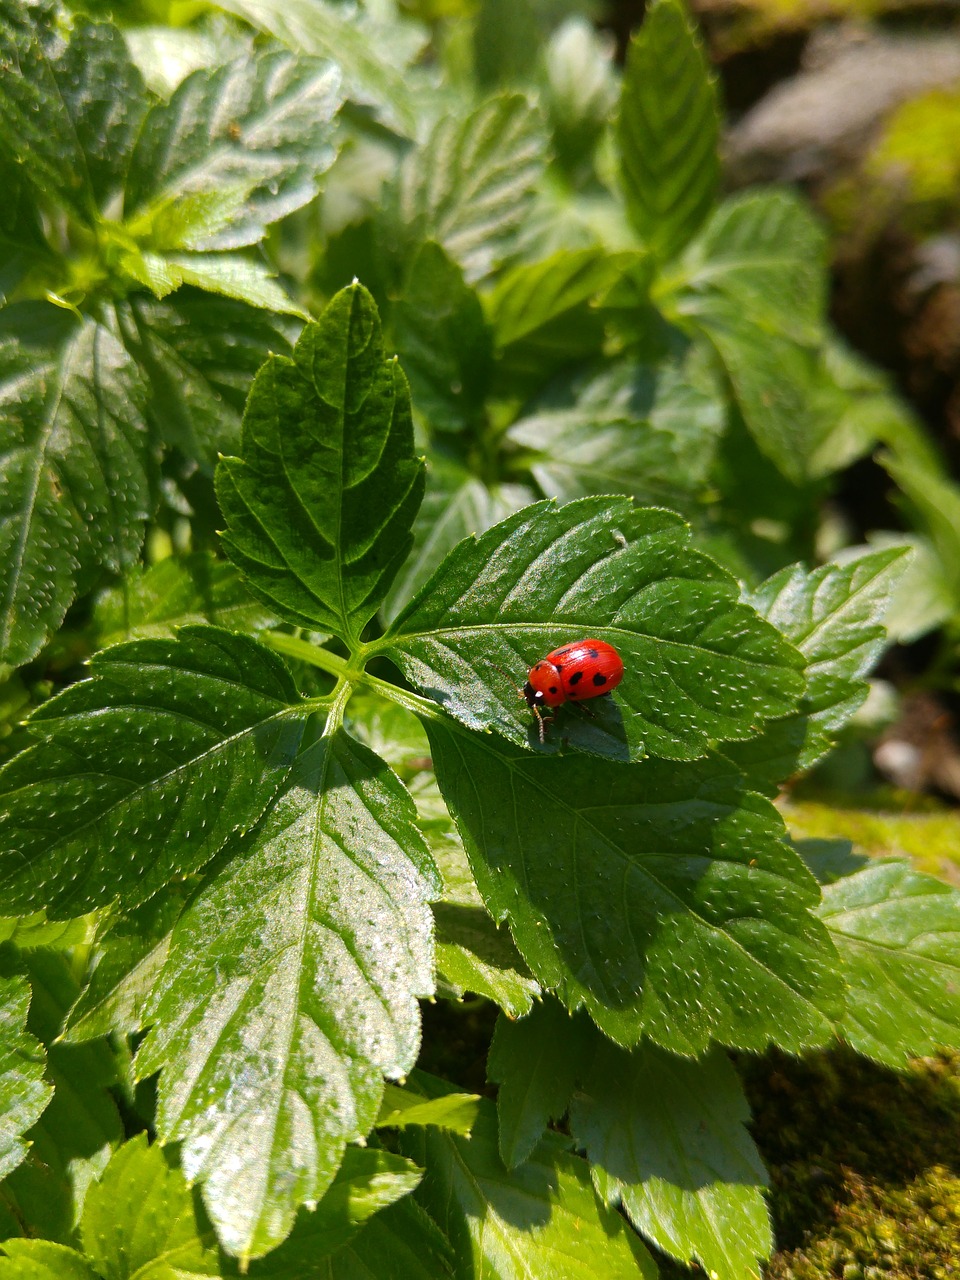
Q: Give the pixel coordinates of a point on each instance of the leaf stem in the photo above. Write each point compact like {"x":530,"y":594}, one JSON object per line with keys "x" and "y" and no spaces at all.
{"x":304,"y":651}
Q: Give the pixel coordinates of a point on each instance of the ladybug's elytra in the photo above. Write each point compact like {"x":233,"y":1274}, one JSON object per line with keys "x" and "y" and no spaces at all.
{"x":572,"y":673}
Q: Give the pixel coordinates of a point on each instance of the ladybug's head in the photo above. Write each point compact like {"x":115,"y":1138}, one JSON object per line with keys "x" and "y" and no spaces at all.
{"x":544,"y":687}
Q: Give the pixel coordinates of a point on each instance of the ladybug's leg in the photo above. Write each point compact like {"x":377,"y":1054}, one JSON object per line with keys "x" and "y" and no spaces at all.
{"x":542,"y":721}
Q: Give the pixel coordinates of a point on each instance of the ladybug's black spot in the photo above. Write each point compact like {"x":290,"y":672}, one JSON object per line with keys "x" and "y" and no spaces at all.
{"x":593,"y":653}
{"x":599,"y":680}
{"x":553,"y":688}
{"x":575,"y":678}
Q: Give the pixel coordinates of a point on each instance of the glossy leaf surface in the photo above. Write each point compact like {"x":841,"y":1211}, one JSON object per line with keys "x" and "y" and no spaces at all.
{"x":24,"y":1094}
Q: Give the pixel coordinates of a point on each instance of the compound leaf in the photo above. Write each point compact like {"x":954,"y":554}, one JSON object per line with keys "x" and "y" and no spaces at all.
{"x":320,"y":504}
{"x":667,"y":1140}
{"x":669,"y":130}
{"x":700,"y":665}
{"x":296,"y":969}
{"x":75,"y":492}
{"x":684,"y":915}
{"x":145,"y":769}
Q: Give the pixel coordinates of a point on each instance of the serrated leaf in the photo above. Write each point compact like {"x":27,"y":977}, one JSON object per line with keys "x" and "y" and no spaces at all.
{"x":699,"y":664}
{"x":260,"y":127}
{"x":453,"y":1111}
{"x":75,"y":491}
{"x":834,"y":616}
{"x":660,"y":897}
{"x":471,"y":186}
{"x":456,"y":503}
{"x":72,"y":1141}
{"x":170,"y":747}
{"x":898,"y":935}
{"x":320,"y":504}
{"x":649,"y":432}
{"x":536,"y":1061}
{"x":370,"y":50}
{"x":443,"y":341}
{"x":156,"y":600}
{"x":667,"y":1140}
{"x":474,"y":955}
{"x":232,"y":275}
{"x":44,"y":1260}
{"x":540,"y":1222}
{"x":297,"y":966}
{"x":69,"y":108}
{"x":367,"y":1182}
{"x":139,"y":1221}
{"x":766,"y":255}
{"x":24,"y":1093}
{"x":200,"y":354}
{"x":668,"y":131}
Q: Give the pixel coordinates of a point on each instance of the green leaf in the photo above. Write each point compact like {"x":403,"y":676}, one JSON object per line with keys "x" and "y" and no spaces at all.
{"x":580,"y":88}
{"x":139,"y":1221}
{"x":24,"y":1093}
{"x":443,"y":341}
{"x":474,"y":955}
{"x":44,"y":1260}
{"x":320,"y":504}
{"x":660,"y":897}
{"x":455,"y":1112}
{"x":536,"y":1061}
{"x":648,"y":432}
{"x":75,"y":489}
{"x":371,"y":51}
{"x":401,"y":1243}
{"x":367,"y":1182}
{"x":668,"y":130}
{"x":455,"y":505}
{"x":667,"y":1140}
{"x":72,"y":1141}
{"x":259,"y":128}
{"x":298,"y":965}
{"x":172,"y":593}
{"x":834,"y":616}
{"x":184,"y":742}
{"x":766,"y":255}
{"x":540,"y":1222}
{"x":69,"y":108}
{"x":472,"y":185}
{"x":935,"y":501}
{"x":230,"y":274}
{"x":898,"y":935}
{"x":699,"y":664}
{"x":200,"y":354}
{"x":506,"y":43}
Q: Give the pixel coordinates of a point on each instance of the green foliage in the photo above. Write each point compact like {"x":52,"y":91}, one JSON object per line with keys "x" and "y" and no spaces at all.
{"x":293,"y":794}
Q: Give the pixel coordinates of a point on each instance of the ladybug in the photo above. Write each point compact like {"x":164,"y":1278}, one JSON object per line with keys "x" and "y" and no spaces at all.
{"x":572,"y":673}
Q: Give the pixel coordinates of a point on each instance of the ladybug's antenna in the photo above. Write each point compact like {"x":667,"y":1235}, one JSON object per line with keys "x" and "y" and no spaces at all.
{"x":541,"y":718}
{"x":508,"y":676}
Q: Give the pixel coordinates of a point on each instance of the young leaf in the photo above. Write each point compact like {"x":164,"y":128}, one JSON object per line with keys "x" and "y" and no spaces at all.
{"x":258,"y":129}
{"x":833,"y":615}
{"x":24,"y":1094}
{"x":443,"y":341}
{"x":669,"y":130}
{"x":319,"y":506}
{"x":667,"y":1140}
{"x":472,"y":184}
{"x":536,"y":1061}
{"x":200,"y":354}
{"x":453,"y":1111}
{"x":69,"y":109}
{"x":168,"y":749}
{"x":367,"y":1182}
{"x":684,"y":916}
{"x":699,"y":664}
{"x":542,"y":1220}
{"x":231,"y":274}
{"x":898,"y":935}
{"x":44,"y":1260}
{"x":75,"y":490}
{"x":297,"y":966}
{"x":139,"y":1220}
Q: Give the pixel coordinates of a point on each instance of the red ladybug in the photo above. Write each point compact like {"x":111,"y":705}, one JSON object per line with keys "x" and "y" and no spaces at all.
{"x":572,"y":673}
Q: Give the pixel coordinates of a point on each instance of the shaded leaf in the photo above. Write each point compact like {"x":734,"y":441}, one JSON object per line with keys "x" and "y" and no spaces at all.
{"x":401,"y":1243}
{"x":667,"y":1140}
{"x":44,"y":1260}
{"x":699,"y":664}
{"x":24,"y":1094}
{"x":258,"y":129}
{"x":684,"y":915}
{"x":296,"y":969}
{"x":935,"y":501}
{"x":170,"y":747}
{"x":320,"y":504}
{"x":898,"y":935}
{"x":668,"y":130}
{"x":75,"y":491}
